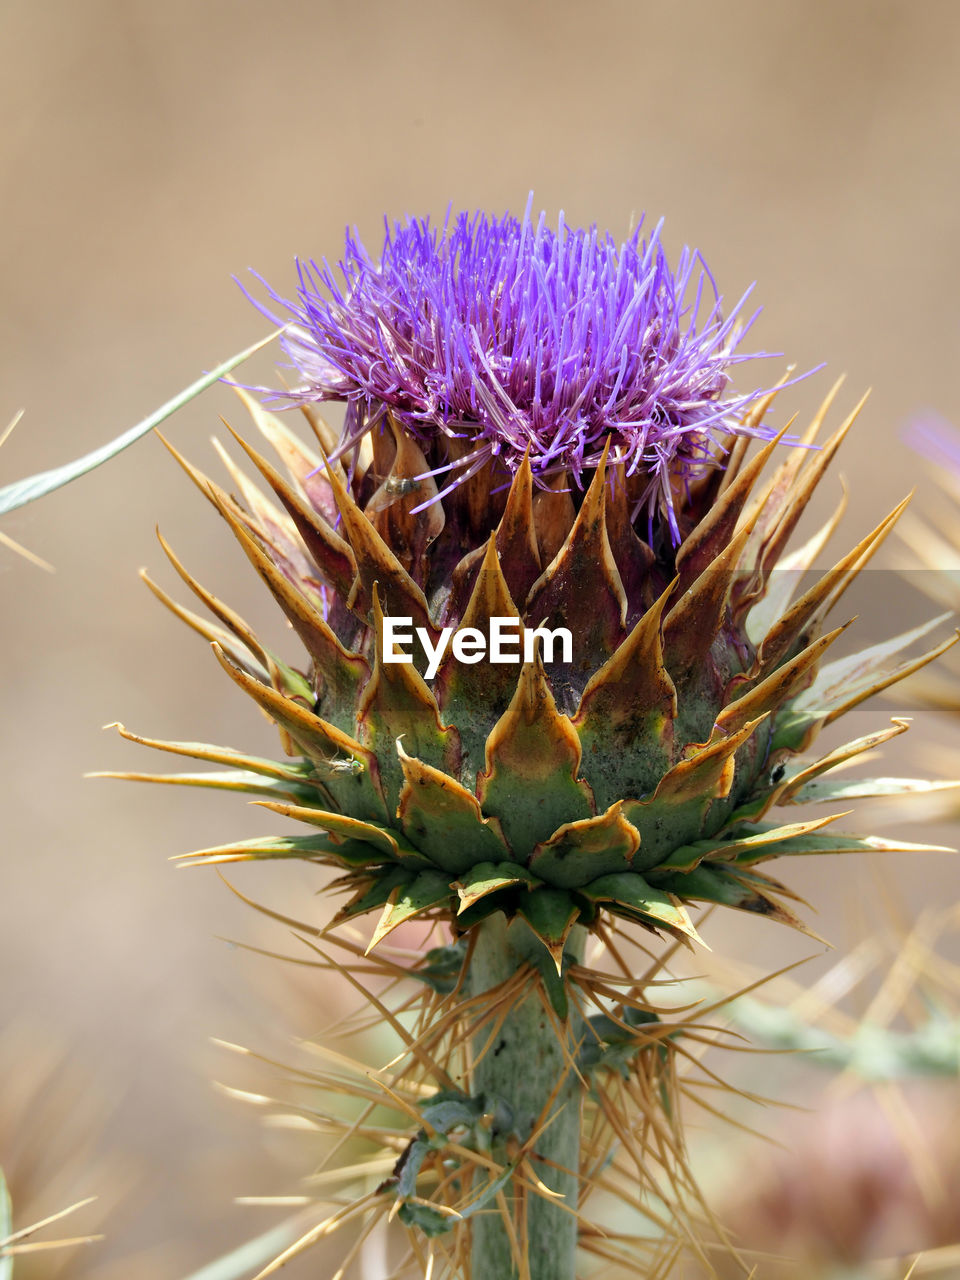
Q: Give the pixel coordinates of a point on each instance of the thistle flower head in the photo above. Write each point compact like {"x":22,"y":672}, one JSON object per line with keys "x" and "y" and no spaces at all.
{"x":516,"y":397}
{"x":618,"y":752}
{"x":519,"y":338}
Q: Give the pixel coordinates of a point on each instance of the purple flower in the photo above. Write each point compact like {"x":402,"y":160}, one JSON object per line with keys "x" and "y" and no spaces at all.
{"x":510,"y":336}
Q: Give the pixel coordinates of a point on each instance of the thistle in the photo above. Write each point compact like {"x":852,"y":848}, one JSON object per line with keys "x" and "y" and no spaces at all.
{"x":554,"y":685}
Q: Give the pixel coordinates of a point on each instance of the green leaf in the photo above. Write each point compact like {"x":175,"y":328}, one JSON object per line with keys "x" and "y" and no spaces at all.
{"x":434,"y":1223}
{"x":490,"y":1190}
{"x":613,"y":1048}
{"x":222,"y":780}
{"x":407,"y":1169}
{"x":806,"y":845}
{"x":443,"y":819}
{"x":397,"y":712}
{"x":391,"y":843}
{"x":289,"y":771}
{"x":531,"y":778}
{"x":657,"y":908}
{"x":442,"y":967}
{"x":352,"y":852}
{"x":426,"y":1219}
{"x":715,"y":884}
{"x":490,"y":877}
{"x":29,"y":489}
{"x":828,"y":792}
{"x":381,"y":883}
{"x":428,"y":889}
{"x":450,"y":1108}
{"x":841,"y":685}
{"x":741,"y":839}
{"x":551,"y":914}
{"x":445,"y":1111}
{"x":581,"y":851}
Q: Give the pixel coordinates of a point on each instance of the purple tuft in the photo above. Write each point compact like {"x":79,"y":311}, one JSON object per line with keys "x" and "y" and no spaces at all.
{"x":515,"y":337}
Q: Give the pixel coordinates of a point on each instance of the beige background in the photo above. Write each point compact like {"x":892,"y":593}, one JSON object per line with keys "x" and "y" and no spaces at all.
{"x":150,"y":151}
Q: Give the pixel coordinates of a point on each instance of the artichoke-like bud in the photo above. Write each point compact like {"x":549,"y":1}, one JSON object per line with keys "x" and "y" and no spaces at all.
{"x":552,"y":670}
{"x":552,"y":675}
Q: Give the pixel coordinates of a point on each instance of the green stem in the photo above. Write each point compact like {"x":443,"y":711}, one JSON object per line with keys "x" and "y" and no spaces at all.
{"x":522,"y":1069}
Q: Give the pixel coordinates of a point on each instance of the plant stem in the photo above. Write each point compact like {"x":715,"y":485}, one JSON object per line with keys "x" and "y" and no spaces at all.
{"x":522,"y":1069}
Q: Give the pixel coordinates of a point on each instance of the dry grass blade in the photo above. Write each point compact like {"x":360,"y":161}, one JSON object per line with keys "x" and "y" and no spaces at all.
{"x":23,"y":491}
{"x":5,"y":539}
{"x":15,"y":1243}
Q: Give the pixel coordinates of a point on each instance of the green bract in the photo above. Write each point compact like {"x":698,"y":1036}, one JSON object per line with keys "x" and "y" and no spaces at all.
{"x":635,"y":779}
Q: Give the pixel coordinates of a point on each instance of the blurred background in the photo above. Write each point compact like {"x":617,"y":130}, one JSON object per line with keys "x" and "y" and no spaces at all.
{"x":150,"y":152}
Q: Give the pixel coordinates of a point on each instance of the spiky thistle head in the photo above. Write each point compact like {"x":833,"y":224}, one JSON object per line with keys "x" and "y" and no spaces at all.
{"x":586,"y":418}
{"x":500,"y":339}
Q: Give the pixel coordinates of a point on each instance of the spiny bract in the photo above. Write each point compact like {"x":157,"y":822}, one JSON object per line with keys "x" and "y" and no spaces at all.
{"x":635,"y":778}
